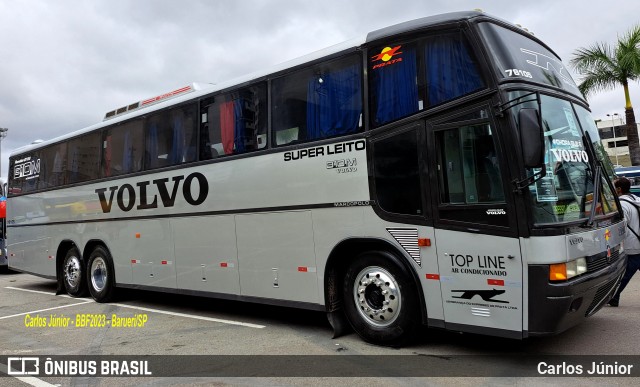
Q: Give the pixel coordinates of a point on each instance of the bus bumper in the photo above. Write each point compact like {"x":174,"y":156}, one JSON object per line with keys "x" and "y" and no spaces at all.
{"x":555,"y":307}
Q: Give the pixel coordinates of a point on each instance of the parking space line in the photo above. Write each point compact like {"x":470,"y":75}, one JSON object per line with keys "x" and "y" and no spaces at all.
{"x":38,"y":291}
{"x":193,"y":316}
{"x":44,"y":310}
{"x":30,"y":380}
{"x":230,"y":322}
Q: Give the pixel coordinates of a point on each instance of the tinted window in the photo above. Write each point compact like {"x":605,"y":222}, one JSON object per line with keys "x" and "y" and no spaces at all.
{"x":406,"y":77}
{"x":393,"y":74}
{"x":53,"y":166}
{"x":450,"y":69}
{"x":234,"y":123}
{"x":468,"y":166}
{"x":25,"y":173}
{"x":396,"y":174}
{"x":565,"y":193}
{"x":123,"y":148}
{"x":318,"y":102}
{"x":83,"y":158}
{"x":520,"y":57}
{"x":171,"y":137}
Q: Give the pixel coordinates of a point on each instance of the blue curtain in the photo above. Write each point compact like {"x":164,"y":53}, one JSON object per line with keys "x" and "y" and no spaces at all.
{"x":177,"y":146}
{"x":334,"y":104}
{"x":152,"y":146}
{"x":239,"y":127}
{"x":395,"y":87}
{"x":451,"y":72}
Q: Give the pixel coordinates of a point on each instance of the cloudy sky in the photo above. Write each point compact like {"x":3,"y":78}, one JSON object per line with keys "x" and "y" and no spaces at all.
{"x":65,"y":63}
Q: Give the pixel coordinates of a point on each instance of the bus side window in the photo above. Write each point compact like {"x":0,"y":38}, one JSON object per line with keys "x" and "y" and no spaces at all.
{"x":318,"y":102}
{"x":467,"y":166}
{"x":407,"y":77}
{"x":83,"y":158}
{"x":170,"y":137}
{"x":393,"y":82}
{"x":122,"y":148}
{"x":53,"y":166}
{"x":234,"y":123}
{"x":397,"y":178}
{"x":450,"y":68}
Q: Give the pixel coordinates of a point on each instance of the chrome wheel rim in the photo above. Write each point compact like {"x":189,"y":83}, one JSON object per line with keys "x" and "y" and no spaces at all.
{"x":98,"y":274}
{"x":72,"y":272}
{"x":377,"y":296}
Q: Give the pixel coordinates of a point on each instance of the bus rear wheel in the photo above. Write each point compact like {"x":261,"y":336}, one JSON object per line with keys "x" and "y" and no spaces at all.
{"x":100,"y":275}
{"x":380,"y":299}
{"x":73,"y":275}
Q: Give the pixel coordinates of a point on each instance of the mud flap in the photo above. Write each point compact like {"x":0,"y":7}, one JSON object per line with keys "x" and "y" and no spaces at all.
{"x":339,"y":323}
{"x":60,"y":288}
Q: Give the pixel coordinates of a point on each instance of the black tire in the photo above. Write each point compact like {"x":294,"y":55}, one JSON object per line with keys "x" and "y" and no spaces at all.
{"x":100,"y":275}
{"x":380,"y":299}
{"x":73,"y":274}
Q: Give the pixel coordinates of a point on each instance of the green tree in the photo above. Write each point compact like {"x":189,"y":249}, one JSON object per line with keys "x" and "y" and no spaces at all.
{"x":604,"y":67}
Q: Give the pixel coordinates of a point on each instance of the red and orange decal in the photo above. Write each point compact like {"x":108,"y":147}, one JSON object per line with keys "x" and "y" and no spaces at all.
{"x":386,"y":57}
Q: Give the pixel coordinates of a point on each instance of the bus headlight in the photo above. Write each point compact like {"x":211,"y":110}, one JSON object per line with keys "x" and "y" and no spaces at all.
{"x":565,"y":271}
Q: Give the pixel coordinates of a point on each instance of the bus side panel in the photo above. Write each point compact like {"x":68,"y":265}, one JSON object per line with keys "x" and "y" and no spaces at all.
{"x":481,"y":281}
{"x":27,"y":241}
{"x":157,"y":250}
{"x":423,"y":260}
{"x":144,"y":249}
{"x":429,"y":273}
{"x":206,"y":254}
{"x":30,"y":251}
{"x":332,"y":226}
{"x":276,"y":256}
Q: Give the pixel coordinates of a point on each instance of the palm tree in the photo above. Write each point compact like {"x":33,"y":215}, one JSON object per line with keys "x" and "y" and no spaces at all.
{"x":604,"y":67}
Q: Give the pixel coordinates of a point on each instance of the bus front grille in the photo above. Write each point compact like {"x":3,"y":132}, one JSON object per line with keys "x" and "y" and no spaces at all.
{"x":601,"y":294}
{"x":600,"y":261}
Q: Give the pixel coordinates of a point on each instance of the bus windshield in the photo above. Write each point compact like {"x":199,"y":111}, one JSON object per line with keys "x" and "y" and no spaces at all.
{"x":566,"y":192}
{"x":518,"y":57}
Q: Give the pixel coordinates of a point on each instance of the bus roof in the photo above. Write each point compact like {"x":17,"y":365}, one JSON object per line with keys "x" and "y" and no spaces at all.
{"x":200,"y":89}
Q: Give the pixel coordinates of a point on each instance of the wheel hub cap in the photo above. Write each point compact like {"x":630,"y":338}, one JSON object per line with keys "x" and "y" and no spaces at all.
{"x":72,"y":271}
{"x":377,"y":296}
{"x":98,"y":274}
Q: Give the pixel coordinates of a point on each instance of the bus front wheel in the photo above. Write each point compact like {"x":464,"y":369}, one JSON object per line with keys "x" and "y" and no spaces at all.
{"x":100,"y":275}
{"x":380,"y":299}
{"x":73,"y":276}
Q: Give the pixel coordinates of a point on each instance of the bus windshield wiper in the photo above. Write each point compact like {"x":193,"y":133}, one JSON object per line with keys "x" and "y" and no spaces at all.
{"x":501,"y":108}
{"x":596,"y":166}
{"x":596,"y":194}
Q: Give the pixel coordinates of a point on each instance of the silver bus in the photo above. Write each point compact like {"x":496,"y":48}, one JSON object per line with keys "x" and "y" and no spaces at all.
{"x":443,"y":172}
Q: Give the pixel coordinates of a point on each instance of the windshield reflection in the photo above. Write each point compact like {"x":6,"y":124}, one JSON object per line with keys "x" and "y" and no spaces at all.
{"x":566,"y":193}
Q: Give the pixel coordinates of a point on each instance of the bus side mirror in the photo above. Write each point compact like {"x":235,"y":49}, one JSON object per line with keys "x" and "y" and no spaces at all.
{"x":531,"y":138}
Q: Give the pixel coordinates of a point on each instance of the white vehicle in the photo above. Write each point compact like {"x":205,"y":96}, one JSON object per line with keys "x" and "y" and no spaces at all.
{"x":438,"y":172}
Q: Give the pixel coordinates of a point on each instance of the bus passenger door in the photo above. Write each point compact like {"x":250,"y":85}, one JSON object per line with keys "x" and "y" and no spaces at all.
{"x":477,"y":244}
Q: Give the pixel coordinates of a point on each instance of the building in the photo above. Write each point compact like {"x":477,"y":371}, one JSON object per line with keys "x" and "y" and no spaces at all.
{"x":613,"y":134}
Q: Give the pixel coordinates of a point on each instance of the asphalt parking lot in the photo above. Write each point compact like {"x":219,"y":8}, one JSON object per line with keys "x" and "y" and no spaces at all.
{"x":145,"y":323}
